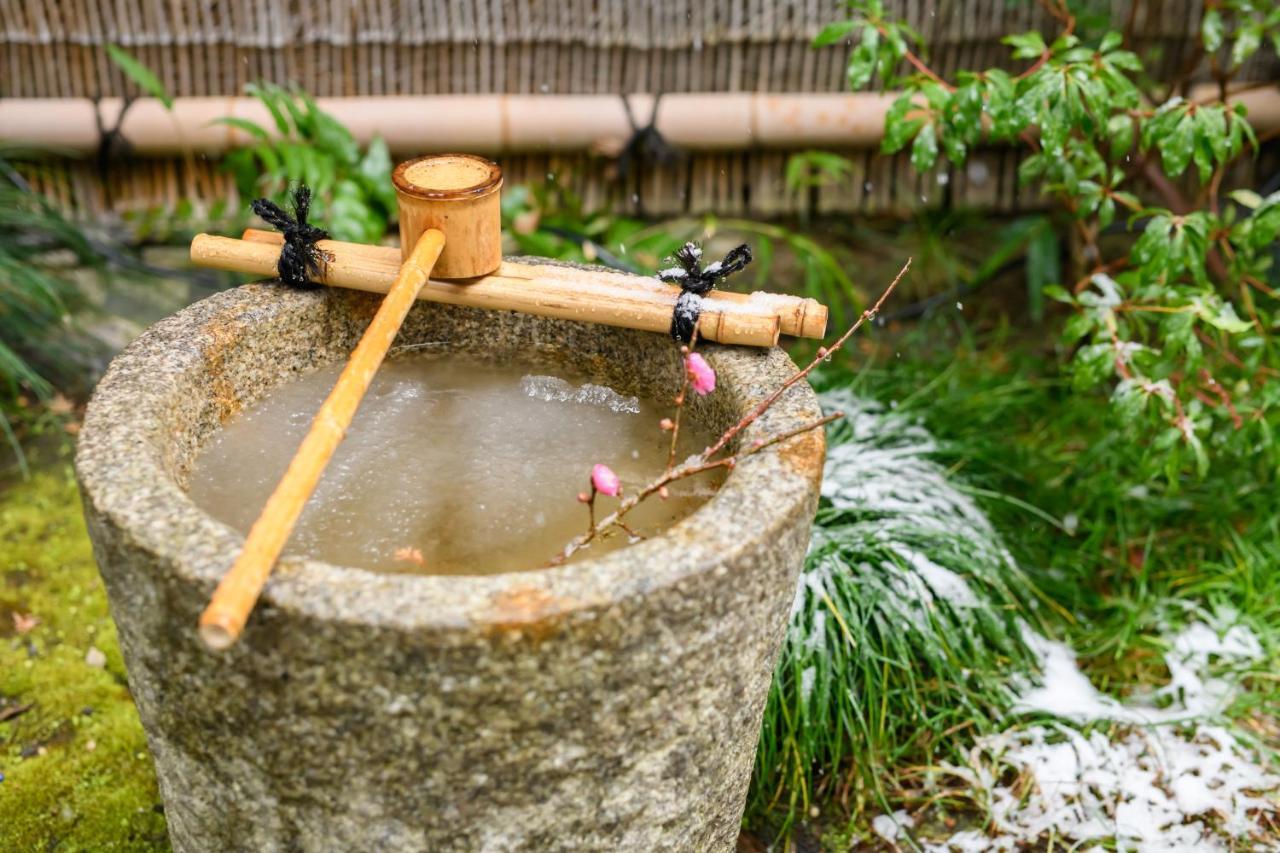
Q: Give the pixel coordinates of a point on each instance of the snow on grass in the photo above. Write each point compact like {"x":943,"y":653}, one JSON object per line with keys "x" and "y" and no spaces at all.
{"x":1163,"y":776}
{"x":882,"y":469}
{"x":905,"y":622}
{"x":1062,"y":690}
{"x":908,"y":617}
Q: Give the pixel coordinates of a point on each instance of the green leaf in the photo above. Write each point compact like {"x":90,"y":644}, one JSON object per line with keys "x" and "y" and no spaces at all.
{"x":1227,"y":320}
{"x":270,"y":162}
{"x":1152,"y":248}
{"x":1043,"y":267}
{"x":375,"y":172}
{"x":924,"y":151}
{"x":1246,"y":198}
{"x":1248,"y":40}
{"x":898,"y":129}
{"x":835,"y":32}
{"x":862,"y":61}
{"x":1211,"y":30}
{"x":1059,"y":293}
{"x":1176,"y":148}
{"x":1120,"y":135}
{"x":1106,"y":212}
{"x":252,"y":128}
{"x":1076,"y":327}
{"x":816,"y":168}
{"x":140,"y":75}
{"x":954,"y":147}
{"x":269,"y":96}
{"x":1028,"y":45}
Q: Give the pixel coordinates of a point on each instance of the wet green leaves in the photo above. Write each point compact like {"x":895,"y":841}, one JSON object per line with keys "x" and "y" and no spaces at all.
{"x":354,"y":199}
{"x":1181,"y":320}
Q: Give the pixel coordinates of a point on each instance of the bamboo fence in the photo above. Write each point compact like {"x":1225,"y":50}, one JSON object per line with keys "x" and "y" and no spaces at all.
{"x":54,"y":49}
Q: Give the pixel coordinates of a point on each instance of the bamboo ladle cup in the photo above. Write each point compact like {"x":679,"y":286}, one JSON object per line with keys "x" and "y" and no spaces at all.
{"x":453,"y":193}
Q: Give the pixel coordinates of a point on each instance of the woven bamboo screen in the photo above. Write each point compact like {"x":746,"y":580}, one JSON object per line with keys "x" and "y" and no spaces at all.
{"x":53,"y":48}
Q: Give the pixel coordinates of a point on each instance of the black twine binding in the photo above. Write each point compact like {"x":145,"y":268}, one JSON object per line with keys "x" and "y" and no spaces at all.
{"x":696,"y":282}
{"x":300,"y":261}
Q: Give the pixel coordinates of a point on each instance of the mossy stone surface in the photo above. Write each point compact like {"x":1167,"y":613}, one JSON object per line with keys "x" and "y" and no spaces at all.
{"x":612,"y":703}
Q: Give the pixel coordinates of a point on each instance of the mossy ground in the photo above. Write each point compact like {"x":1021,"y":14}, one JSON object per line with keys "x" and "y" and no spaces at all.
{"x":76,"y":771}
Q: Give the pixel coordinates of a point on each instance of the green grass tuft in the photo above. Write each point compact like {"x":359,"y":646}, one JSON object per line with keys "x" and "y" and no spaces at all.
{"x":907,"y":624}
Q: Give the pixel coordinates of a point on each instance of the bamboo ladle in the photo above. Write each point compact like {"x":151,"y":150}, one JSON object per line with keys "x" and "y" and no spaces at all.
{"x":454,"y":194}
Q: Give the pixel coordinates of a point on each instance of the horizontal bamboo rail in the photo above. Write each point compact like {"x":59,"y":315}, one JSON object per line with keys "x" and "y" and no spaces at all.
{"x":798,"y":316}
{"x":603,"y":296}
{"x":496,"y":124}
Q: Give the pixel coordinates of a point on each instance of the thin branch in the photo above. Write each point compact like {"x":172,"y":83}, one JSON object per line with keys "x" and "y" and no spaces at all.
{"x":682,"y":396}
{"x":700,"y":465}
{"x":759,"y":410}
{"x":706,"y":460}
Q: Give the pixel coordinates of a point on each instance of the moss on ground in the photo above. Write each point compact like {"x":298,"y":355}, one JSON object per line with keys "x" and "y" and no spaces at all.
{"x":76,"y":771}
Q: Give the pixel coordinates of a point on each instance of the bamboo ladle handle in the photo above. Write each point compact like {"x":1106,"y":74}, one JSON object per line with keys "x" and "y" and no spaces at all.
{"x":224,"y":619}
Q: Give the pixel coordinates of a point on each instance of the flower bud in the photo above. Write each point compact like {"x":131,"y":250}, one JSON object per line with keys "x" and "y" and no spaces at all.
{"x":701,"y":376}
{"x":605,"y":481}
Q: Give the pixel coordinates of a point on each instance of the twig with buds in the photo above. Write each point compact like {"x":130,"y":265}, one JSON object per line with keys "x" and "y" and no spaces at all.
{"x":701,"y":378}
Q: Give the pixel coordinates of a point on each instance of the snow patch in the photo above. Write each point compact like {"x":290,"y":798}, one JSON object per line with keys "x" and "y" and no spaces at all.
{"x":1148,"y":790}
{"x":806,"y":682}
{"x":1165,"y":780}
{"x":1163,"y":777}
{"x":1192,"y":692}
{"x":889,"y":827}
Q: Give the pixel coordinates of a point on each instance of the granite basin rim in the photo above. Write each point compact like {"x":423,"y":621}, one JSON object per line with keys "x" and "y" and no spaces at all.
{"x":758,"y":499}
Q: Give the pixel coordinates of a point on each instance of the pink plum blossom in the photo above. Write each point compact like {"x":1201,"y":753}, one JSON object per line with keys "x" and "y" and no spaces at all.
{"x":701,"y":376}
{"x":605,"y":481}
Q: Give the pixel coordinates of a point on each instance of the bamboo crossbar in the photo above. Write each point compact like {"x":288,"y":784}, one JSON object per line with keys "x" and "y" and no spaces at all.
{"x":597,"y":296}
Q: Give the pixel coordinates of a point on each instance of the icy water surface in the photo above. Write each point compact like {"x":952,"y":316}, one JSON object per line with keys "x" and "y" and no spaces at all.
{"x":451,"y":466}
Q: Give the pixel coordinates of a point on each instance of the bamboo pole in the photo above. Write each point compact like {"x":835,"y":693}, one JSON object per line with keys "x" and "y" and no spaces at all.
{"x":223,"y":620}
{"x":497,"y":124}
{"x":610,"y":298}
{"x":798,"y":316}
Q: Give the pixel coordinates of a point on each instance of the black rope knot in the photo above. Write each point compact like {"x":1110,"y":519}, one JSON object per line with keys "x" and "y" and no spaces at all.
{"x":696,"y":282}
{"x":301,"y":262}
